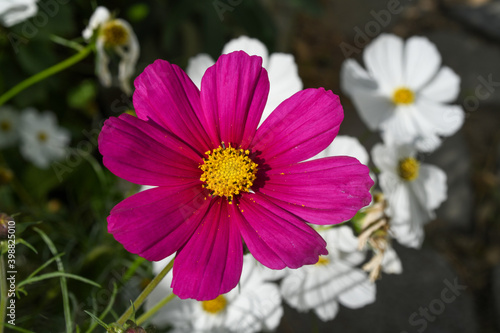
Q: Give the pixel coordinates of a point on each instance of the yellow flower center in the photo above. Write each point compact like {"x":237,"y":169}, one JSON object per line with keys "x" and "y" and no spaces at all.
{"x":5,"y":126}
{"x":114,"y":33}
{"x":322,"y":261}
{"x":42,"y":136}
{"x":214,"y":306}
{"x":408,"y":168}
{"x":228,"y":171}
{"x":403,"y":96}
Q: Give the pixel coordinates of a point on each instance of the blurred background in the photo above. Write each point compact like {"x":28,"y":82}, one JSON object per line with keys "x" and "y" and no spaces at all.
{"x":462,"y":245}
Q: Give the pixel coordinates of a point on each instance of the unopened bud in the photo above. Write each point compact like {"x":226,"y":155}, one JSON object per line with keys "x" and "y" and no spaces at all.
{"x":6,"y":176}
{"x":4,"y":228}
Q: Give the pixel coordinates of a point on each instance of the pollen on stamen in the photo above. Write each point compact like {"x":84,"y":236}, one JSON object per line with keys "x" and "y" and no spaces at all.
{"x":403,"y":95}
{"x":228,"y":171}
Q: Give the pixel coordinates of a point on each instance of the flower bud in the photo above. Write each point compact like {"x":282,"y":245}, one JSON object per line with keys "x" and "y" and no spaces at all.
{"x":6,"y":176}
{"x":4,"y":220}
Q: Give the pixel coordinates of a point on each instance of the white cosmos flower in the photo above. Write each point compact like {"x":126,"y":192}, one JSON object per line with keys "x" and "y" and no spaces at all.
{"x":413,"y":191}
{"x":404,"y":91}
{"x":333,"y":280}
{"x":42,"y":141}
{"x":282,"y":70}
{"x":13,"y":12}
{"x":8,"y":126}
{"x":253,"y":306}
{"x":116,"y":35}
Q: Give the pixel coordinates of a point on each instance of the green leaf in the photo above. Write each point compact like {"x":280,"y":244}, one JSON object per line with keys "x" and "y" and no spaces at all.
{"x":25,"y":243}
{"x":48,"y":262}
{"x":19,"y":329}
{"x":99,"y":321}
{"x":57,"y":274}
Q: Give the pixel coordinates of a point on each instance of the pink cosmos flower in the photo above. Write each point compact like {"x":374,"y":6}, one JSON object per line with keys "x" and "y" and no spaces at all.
{"x":220,"y":180}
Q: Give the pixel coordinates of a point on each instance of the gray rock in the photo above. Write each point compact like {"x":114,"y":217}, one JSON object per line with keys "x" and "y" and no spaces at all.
{"x":454,"y":159}
{"x":485,"y":18}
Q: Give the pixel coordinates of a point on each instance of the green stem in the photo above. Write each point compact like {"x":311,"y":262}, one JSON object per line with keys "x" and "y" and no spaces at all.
{"x":145,"y":316}
{"x":3,"y":287}
{"x":145,"y":293}
{"x":46,"y":73}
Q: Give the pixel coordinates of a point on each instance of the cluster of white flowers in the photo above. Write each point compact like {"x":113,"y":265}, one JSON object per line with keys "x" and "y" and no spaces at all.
{"x":404,"y":93}
{"x":42,"y":141}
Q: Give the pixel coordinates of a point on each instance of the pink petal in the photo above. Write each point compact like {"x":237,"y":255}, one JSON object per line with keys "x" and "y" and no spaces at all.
{"x":145,"y":154}
{"x":233,"y":95}
{"x":299,"y":128}
{"x":157,"y":222}
{"x":211,"y":261}
{"x":323,"y":191}
{"x":167,"y":96}
{"x":275,"y":237}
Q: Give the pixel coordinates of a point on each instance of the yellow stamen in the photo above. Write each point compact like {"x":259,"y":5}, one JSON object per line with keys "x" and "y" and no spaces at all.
{"x":322,"y":261}
{"x":409,"y":168}
{"x":214,"y":306}
{"x":403,"y":96}
{"x":114,"y":33}
{"x":42,"y":136}
{"x":5,"y":126}
{"x":228,"y":171}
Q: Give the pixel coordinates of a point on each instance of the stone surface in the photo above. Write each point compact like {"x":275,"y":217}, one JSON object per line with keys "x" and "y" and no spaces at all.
{"x":485,"y":18}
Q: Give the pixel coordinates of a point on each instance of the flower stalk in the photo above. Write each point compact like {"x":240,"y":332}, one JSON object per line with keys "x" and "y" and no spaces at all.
{"x":145,"y":316}
{"x":145,"y":293}
{"x":46,"y":73}
{"x":3,"y":290}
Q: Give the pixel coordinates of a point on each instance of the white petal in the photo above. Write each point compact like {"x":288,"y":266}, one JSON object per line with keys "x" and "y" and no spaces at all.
{"x":383,"y":58}
{"x":356,"y":288}
{"x":258,"y":309}
{"x":284,"y":81}
{"x":126,"y":68}
{"x":102,"y":69}
{"x":391,"y":264}
{"x":397,"y":194}
{"x":354,"y":78}
{"x":327,"y":311}
{"x":385,"y":158}
{"x":341,"y":238}
{"x":100,"y":15}
{"x":309,"y":287}
{"x":251,"y":46}
{"x":430,"y":187}
{"x":373,"y":108}
{"x":445,"y":119}
{"x":344,"y":145}
{"x":408,"y":235}
{"x":422,"y":61}
{"x":429,"y":143}
{"x":197,"y":66}
{"x":444,"y":88}
{"x":402,"y":128}
{"x":13,"y":12}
